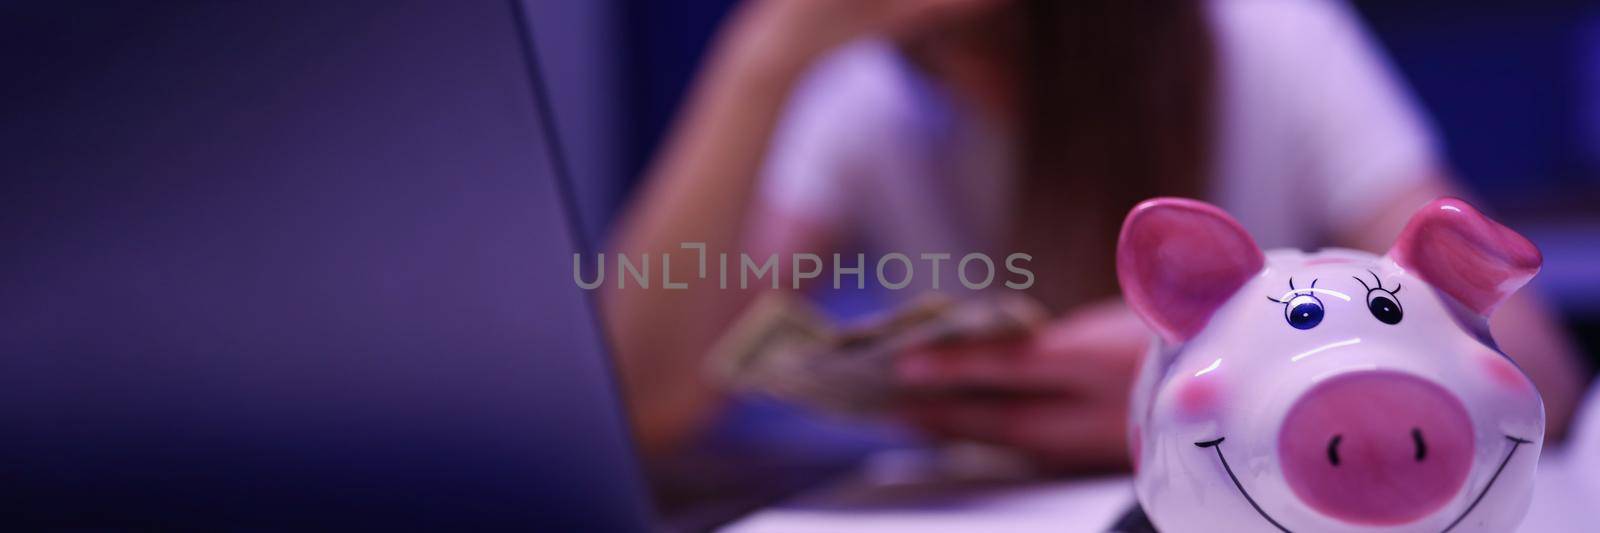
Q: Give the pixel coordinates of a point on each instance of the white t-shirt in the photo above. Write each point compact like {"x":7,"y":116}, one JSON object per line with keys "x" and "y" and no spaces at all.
{"x":1314,"y":130}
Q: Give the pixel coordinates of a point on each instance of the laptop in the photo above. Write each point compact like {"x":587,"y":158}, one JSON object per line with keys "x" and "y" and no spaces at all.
{"x":290,"y":265}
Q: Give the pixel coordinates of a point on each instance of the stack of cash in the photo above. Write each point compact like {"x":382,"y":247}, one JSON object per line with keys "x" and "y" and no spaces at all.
{"x":783,"y":346}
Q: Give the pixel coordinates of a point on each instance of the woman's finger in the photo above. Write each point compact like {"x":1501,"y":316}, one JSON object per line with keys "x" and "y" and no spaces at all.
{"x":1021,"y":364}
{"x":1063,"y":431}
{"x":982,"y":363}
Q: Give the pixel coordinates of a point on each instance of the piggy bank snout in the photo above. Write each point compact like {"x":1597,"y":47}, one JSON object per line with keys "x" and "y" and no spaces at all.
{"x":1376,"y":447}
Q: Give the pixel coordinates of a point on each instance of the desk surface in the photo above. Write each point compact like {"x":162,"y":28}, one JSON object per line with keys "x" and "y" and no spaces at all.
{"x":1087,"y":506}
{"x":854,"y":505}
{"x":872,"y":500}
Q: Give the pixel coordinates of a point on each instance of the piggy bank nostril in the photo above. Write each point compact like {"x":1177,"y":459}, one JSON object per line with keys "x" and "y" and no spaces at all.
{"x":1419,"y":447}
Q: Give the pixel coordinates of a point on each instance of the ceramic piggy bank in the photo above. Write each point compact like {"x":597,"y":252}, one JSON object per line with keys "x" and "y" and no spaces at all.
{"x":1328,"y":391}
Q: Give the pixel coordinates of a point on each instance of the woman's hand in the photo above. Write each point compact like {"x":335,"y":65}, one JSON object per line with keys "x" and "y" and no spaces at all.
{"x":1060,"y":396}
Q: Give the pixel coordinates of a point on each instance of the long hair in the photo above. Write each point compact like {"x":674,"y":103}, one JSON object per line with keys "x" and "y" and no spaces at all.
{"x":1116,"y":103}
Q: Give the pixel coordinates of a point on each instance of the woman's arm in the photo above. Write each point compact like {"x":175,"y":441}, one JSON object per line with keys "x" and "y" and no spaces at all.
{"x":701,"y":187}
{"x":698,"y":189}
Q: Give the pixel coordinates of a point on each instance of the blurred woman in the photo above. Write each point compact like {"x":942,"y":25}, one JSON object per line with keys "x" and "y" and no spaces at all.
{"x":1032,"y":126}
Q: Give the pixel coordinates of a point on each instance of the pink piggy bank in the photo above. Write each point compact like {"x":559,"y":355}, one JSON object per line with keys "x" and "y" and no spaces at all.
{"x":1328,"y":391}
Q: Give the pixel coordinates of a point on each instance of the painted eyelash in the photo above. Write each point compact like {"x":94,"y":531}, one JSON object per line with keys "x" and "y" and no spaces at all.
{"x":1379,"y":282}
{"x":1293,"y":290}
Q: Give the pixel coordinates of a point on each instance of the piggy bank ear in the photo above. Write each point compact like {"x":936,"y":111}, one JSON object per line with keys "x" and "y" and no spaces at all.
{"x":1178,"y":260}
{"x":1464,"y":254}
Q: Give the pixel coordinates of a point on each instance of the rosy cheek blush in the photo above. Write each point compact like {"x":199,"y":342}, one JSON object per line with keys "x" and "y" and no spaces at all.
{"x":1502,"y":372}
{"x":1199,"y":398}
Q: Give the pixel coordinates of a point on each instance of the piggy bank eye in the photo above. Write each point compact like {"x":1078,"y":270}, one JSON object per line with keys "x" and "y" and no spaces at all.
{"x":1384,"y":305}
{"x":1303,"y":311}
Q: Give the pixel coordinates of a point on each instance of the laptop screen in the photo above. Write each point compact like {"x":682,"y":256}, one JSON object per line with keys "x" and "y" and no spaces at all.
{"x":292,"y":263}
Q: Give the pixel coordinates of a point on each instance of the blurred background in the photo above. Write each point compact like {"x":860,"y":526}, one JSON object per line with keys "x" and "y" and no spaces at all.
{"x":1512,"y":87}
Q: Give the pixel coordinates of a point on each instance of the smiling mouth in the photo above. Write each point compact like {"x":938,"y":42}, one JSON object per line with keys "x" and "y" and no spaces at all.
{"x":1216,"y":444}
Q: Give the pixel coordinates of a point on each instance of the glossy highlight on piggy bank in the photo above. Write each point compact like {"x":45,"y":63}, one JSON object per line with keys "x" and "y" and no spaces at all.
{"x":1328,"y":391}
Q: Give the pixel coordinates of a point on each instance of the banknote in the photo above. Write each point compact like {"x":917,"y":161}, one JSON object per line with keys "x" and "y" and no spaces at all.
{"x":785,"y":347}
